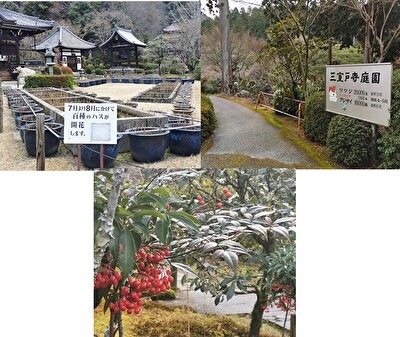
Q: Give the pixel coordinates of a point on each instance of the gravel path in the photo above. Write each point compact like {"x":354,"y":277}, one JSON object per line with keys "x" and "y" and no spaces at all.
{"x":244,"y":131}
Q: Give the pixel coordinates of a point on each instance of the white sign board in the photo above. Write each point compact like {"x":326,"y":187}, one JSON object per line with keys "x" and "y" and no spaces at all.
{"x":90,"y":123}
{"x":361,"y":91}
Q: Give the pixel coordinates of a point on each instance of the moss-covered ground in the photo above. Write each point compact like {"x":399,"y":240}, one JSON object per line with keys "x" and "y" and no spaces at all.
{"x":160,"y":320}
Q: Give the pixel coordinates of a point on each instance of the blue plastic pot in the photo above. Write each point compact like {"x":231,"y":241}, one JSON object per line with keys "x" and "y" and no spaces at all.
{"x":26,"y":110}
{"x":52,"y":142}
{"x":149,"y":145}
{"x":90,"y":154}
{"x":27,"y":119}
{"x":185,"y":141}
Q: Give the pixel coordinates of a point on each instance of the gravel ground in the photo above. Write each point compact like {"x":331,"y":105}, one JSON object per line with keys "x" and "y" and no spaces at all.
{"x":13,"y":156}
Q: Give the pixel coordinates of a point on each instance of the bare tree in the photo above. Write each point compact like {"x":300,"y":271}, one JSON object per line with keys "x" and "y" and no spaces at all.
{"x":187,"y":42}
{"x":377,"y":15}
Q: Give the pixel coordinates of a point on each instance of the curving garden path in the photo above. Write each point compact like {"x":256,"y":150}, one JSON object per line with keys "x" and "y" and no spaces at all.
{"x":242,"y":131}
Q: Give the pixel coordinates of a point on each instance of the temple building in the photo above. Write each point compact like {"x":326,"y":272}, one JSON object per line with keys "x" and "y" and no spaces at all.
{"x":13,"y":28}
{"x":119,"y":47}
{"x":68,"y":47}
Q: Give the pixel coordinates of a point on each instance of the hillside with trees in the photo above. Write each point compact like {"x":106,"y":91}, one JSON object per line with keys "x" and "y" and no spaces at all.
{"x":94,"y":21}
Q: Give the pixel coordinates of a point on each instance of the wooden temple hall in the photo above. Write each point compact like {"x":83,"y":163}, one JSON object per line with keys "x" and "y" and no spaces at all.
{"x":122,"y":48}
{"x":13,"y":28}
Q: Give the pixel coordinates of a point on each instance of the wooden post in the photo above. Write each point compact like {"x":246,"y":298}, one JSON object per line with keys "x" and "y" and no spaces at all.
{"x":101,"y":156}
{"x":40,"y":142}
{"x":298,"y":117}
{"x":374,"y":150}
{"x":79,"y":158}
{"x":293,"y":325}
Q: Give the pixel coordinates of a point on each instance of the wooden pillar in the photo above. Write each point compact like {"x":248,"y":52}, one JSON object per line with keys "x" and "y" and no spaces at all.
{"x":136,"y":57}
{"x":17,"y":46}
{"x":111,"y":57}
{"x":128,"y":50}
{"x":40,"y":142}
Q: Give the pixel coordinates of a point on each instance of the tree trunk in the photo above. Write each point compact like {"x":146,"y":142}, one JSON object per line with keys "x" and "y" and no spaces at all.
{"x":225,"y":47}
{"x":104,"y":235}
{"x":367,"y":38}
{"x":257,"y":313}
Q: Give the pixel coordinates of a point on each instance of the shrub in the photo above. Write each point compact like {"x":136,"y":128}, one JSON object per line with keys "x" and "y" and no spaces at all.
{"x":197,"y":72}
{"x":99,"y":71}
{"x":89,"y":69}
{"x":316,"y":119}
{"x":212,"y":86}
{"x":285,"y":105}
{"x":56,"y":81}
{"x":389,"y":142}
{"x":208,"y":118}
{"x":349,"y":141}
{"x":60,"y":70}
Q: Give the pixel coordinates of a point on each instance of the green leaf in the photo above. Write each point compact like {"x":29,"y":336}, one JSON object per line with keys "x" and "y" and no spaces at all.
{"x":162,"y":230}
{"x":143,"y":227}
{"x":226,"y":281}
{"x":122,"y":212}
{"x":131,"y":243}
{"x":231,"y":291}
{"x":150,"y":212}
{"x":188,"y":220}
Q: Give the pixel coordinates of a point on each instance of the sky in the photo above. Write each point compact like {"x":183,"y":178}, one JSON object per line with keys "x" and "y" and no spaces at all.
{"x":234,"y":4}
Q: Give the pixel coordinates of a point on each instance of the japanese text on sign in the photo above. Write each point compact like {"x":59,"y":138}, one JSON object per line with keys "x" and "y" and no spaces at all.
{"x":361,"y":91}
{"x":90,"y":123}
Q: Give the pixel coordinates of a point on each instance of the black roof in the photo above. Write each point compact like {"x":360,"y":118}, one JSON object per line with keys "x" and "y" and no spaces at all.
{"x":126,"y":35}
{"x":63,"y":37}
{"x":14,"y":20}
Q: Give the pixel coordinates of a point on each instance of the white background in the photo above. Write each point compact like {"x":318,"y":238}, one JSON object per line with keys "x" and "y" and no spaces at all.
{"x":347,"y":253}
{"x":46,"y":249}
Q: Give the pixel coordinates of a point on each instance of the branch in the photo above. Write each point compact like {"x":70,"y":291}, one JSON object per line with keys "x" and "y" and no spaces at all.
{"x":105,"y":233}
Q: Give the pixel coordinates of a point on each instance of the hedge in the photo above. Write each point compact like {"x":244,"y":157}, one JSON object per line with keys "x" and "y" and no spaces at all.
{"x":56,"y":81}
{"x":389,"y":142}
{"x":208,"y":118}
{"x":349,"y":141}
{"x":316,"y":119}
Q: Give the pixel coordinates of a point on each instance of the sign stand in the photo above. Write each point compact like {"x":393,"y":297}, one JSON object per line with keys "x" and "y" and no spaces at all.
{"x":101,"y":156}
{"x":374,"y":143}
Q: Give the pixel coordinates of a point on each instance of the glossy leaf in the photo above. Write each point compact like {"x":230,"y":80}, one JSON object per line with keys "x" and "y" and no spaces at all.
{"x":130,"y":242}
{"x":188,"y":220}
{"x":162,"y":230}
{"x":231,"y":291}
{"x":184,"y":268}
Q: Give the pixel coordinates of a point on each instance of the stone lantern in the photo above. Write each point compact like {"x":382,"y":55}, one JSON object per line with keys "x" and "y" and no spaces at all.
{"x":49,"y":59}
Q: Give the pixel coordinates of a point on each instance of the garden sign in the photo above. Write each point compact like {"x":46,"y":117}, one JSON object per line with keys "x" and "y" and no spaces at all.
{"x":361,"y":91}
{"x":90,"y":123}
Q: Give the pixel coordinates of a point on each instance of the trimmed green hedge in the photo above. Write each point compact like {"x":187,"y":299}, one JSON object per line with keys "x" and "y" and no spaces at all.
{"x":208,"y":118}
{"x":316,"y":119}
{"x":56,"y":81}
{"x":349,"y":141}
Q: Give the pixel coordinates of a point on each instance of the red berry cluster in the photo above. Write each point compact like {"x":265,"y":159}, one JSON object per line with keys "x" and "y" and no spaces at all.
{"x":106,"y":277}
{"x":225,"y":191}
{"x":282,"y":297}
{"x":150,"y":278}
